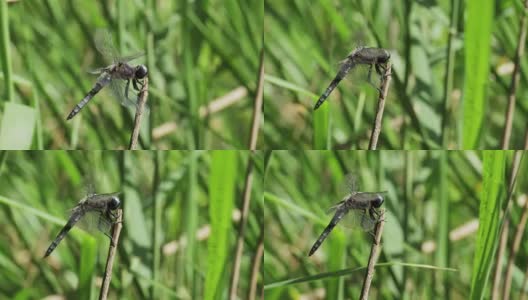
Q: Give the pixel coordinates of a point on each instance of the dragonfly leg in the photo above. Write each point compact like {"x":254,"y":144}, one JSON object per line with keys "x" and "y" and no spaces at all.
{"x":137,"y":83}
{"x":369,"y":76}
{"x":126,"y":89}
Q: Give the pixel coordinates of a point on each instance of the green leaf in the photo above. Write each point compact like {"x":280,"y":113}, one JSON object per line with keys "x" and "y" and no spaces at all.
{"x":17,"y":127}
{"x":479,"y":22}
{"x":489,"y":221}
{"x":223,"y":179}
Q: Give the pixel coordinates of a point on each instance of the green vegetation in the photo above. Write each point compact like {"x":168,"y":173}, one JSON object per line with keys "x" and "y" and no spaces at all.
{"x":432,"y":247}
{"x":179,"y":229}
{"x":447,"y":91}
{"x":196,"y":53}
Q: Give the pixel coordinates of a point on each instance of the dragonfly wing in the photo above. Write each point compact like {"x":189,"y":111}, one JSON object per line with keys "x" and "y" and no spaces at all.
{"x":128,"y":58}
{"x":334,"y":208}
{"x":359,"y":218}
{"x":348,"y":184}
{"x":96,"y":71}
{"x":365,"y":196}
{"x":105,"y":44}
{"x":118,"y":88}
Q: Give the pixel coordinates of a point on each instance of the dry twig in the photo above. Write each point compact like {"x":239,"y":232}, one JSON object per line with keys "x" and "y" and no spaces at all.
{"x":513,"y":251}
{"x":515,"y":79}
{"x":374,"y":253}
{"x":257,"y":259}
{"x":257,"y":112}
{"x":142,"y":99}
{"x":257,"y":109}
{"x":111,"y":254}
{"x":381,"y":106}
{"x":503,"y":230}
{"x":241,"y":230}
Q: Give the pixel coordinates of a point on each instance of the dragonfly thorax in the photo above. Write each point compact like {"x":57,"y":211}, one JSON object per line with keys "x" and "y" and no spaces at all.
{"x":141,"y":71}
{"x":114,"y":203}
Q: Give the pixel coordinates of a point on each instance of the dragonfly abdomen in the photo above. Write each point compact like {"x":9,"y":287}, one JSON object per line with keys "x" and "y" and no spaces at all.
{"x":97,"y":87}
{"x":338,"y":216}
{"x":63,"y":233}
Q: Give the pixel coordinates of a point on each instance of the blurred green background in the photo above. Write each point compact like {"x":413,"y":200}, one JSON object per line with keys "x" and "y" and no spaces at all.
{"x":181,"y":216}
{"x":447,"y":92}
{"x":202,"y":58}
{"x":444,"y":209}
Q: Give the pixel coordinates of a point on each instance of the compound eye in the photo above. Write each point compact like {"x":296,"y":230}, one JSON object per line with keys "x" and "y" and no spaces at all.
{"x":114,"y":203}
{"x":379,"y":201}
{"x":141,"y":71}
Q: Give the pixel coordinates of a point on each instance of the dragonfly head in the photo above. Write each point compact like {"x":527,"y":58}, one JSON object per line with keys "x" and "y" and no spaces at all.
{"x":378,"y":201}
{"x":114,"y":203}
{"x":386,"y":56}
{"x":141,"y":71}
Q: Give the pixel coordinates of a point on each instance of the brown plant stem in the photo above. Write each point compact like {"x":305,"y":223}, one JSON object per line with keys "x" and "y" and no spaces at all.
{"x":381,"y":106}
{"x":374,"y":254}
{"x":241,"y":229}
{"x":111,"y":255}
{"x":524,"y":285}
{"x":514,"y":249}
{"x":503,"y":230}
{"x":255,"y":271}
{"x":497,"y":278}
{"x":257,"y":109}
{"x":142,"y":99}
{"x":515,"y":79}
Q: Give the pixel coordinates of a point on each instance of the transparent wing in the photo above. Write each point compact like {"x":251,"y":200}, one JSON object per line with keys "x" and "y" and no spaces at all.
{"x":348,"y":184}
{"x":367,"y":222}
{"x":334,"y":208}
{"x":118,"y":88}
{"x":105,"y":44}
{"x":366,"y":196}
{"x":131,"y":57}
{"x":96,"y":71}
{"x":93,"y":222}
{"x":358,"y":219}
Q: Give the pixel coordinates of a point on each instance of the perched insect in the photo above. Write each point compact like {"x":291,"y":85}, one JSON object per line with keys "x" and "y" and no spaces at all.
{"x":102,"y":205}
{"x":374,"y":57}
{"x":361,"y":205}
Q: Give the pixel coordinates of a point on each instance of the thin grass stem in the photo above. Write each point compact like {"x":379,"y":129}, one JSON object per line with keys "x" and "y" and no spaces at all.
{"x":257,"y":110}
{"x":450,"y":67}
{"x":256,"y":263}
{"x":515,"y":79}
{"x":514,"y":250}
{"x":241,"y":230}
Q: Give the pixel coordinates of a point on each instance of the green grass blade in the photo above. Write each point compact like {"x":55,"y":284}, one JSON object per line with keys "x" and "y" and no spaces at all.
{"x":346,"y":272}
{"x":87,"y":268}
{"x":479,"y":23}
{"x":222,"y":185}
{"x":489,"y":221}
{"x":5,"y":52}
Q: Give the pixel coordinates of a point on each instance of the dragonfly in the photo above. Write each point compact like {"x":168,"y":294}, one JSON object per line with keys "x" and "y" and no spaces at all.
{"x":118,"y":75}
{"x":102,"y":206}
{"x":363,"y":207}
{"x":374,"y":57}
